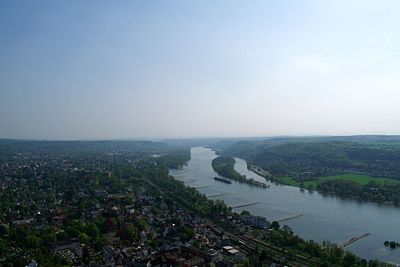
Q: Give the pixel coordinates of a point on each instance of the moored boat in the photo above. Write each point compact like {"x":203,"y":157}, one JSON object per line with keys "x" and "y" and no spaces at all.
{"x":222,"y":180}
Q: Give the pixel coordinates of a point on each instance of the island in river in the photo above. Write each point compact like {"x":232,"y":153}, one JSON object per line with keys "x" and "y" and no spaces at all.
{"x":359,"y":167}
{"x":224,"y":166}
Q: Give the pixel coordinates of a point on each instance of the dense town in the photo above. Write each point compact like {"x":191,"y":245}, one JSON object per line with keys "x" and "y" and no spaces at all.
{"x":113,"y":208}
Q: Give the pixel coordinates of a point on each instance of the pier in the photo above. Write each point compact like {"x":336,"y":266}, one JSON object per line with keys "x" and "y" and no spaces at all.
{"x":202,"y":186}
{"x":217,"y":195}
{"x":245,"y":205}
{"x":352,"y":240}
{"x":289,"y":218}
{"x":186,"y":180}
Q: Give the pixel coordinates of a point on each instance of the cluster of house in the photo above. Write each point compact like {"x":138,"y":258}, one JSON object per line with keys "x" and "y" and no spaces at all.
{"x":207,"y":245}
{"x":161,"y":242}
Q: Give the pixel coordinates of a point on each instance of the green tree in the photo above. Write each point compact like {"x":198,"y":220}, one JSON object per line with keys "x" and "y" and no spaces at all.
{"x":186,"y":232}
{"x":72,"y":231}
{"x":2,"y":245}
{"x":131,"y":232}
{"x":245,"y":213}
{"x":4,"y":229}
{"x":349,"y":260}
{"x":49,"y":238}
{"x":84,"y":238}
{"x":275,"y":225}
{"x":141,"y":224}
{"x":93,"y":232}
{"x":33,"y":241}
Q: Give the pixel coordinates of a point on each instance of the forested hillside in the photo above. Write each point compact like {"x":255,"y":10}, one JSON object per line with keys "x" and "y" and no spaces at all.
{"x":305,"y":160}
{"x":362,"y":167}
{"x":316,"y":157}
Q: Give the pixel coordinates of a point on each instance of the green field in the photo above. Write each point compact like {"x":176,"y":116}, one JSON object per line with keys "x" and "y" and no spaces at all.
{"x":357,"y":178}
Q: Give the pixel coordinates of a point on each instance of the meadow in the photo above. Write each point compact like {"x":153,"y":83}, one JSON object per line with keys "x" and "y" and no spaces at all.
{"x":352,"y":177}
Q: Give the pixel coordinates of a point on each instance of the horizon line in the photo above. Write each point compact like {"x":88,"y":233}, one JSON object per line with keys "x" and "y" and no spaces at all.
{"x":158,"y":139}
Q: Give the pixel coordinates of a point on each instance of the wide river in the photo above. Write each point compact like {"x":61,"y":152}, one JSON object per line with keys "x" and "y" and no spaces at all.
{"x":323,"y":217}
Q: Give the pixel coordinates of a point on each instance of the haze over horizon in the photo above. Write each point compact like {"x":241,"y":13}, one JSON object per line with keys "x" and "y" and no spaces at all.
{"x":170,"y":69}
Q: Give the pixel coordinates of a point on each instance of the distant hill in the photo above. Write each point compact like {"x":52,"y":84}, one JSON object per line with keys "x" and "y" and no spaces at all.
{"x":10,"y":147}
{"x":308,"y":157}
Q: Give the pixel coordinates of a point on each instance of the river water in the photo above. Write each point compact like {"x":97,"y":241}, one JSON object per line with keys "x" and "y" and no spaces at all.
{"x":323,"y":217}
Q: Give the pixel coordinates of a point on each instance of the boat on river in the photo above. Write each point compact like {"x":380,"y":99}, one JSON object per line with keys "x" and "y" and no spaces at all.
{"x":222,"y":180}
{"x":257,"y":183}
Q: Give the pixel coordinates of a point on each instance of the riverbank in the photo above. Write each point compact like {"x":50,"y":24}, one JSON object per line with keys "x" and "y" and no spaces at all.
{"x":348,"y":186}
{"x":325,"y":217}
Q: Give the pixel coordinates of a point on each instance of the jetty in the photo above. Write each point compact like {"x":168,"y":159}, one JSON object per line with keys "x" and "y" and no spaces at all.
{"x":352,"y":240}
{"x":289,"y":218}
{"x":216,"y":195}
{"x":201,"y":186}
{"x":245,"y":205}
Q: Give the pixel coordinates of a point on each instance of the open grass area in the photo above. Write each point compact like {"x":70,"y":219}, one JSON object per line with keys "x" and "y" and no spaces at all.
{"x":357,"y":178}
{"x":362,"y":179}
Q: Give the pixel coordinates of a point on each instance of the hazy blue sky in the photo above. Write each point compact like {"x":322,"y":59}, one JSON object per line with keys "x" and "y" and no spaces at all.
{"x":135,"y":69}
